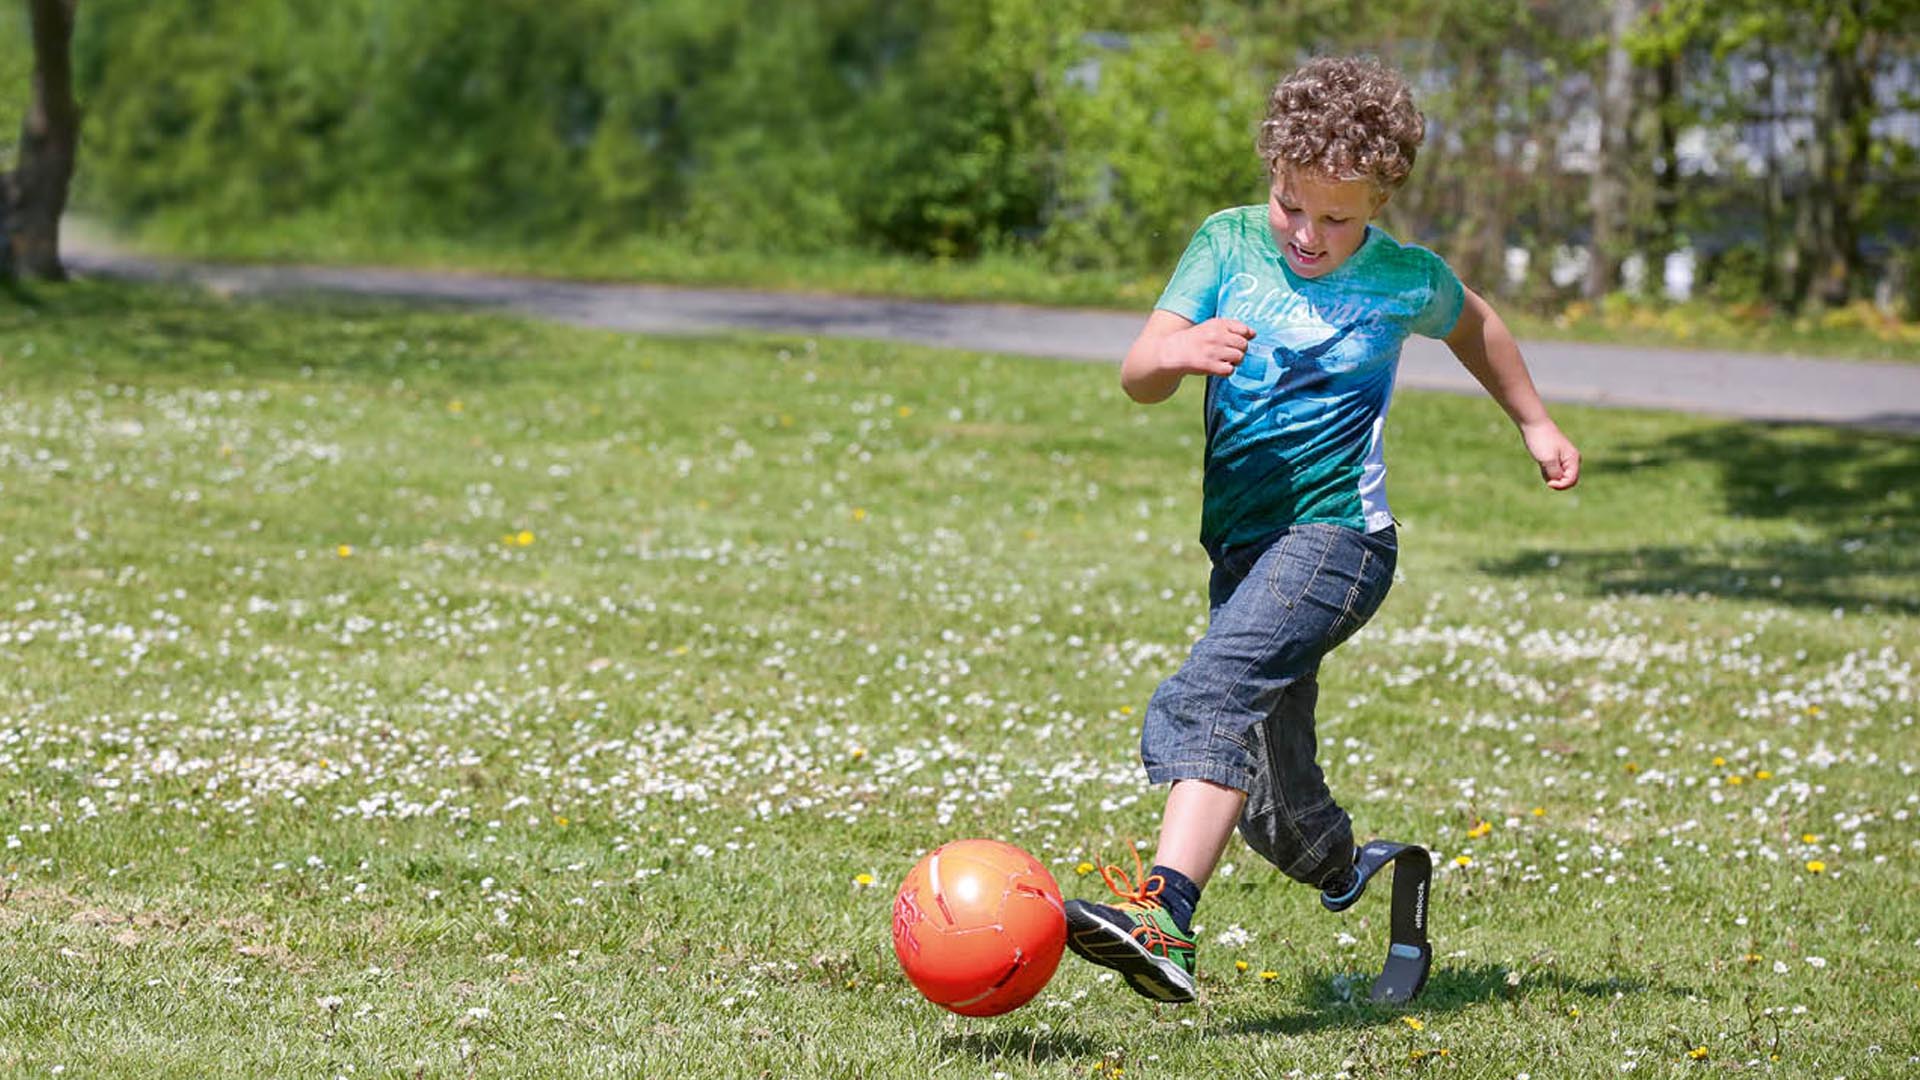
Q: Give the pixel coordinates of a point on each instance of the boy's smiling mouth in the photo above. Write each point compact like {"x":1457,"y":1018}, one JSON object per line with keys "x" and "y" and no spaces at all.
{"x":1304,"y":257}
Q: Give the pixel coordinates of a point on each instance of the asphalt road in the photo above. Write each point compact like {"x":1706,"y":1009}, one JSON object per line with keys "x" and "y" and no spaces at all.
{"x":1750,"y":386}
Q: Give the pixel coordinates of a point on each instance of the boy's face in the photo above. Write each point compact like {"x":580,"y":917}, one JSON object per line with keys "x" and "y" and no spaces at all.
{"x":1320,"y":222}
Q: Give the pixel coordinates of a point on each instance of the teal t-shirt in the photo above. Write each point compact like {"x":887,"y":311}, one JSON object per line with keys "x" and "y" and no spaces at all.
{"x":1294,"y":435}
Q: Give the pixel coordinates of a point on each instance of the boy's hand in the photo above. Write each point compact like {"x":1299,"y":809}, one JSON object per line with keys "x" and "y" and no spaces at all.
{"x":1559,"y":461}
{"x":1214,"y":347}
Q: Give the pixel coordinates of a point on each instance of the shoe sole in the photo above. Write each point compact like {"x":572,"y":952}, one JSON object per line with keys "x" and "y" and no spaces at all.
{"x":1098,"y":941}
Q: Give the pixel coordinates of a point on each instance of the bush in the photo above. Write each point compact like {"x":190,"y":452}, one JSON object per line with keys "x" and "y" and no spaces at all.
{"x":1159,"y":134}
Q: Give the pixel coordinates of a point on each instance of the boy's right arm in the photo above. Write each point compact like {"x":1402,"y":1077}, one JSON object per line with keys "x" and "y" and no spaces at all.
{"x":1171,"y":347}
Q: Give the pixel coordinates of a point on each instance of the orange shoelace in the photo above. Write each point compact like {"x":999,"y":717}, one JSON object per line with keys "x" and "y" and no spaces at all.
{"x":1142,"y":890}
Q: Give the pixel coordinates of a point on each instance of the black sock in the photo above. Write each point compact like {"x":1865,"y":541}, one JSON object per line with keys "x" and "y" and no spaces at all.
{"x":1340,"y":879}
{"x":1340,"y":882}
{"x":1179,"y":894}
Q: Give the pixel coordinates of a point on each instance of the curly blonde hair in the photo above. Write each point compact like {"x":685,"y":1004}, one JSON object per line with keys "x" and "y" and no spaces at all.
{"x":1346,"y":118}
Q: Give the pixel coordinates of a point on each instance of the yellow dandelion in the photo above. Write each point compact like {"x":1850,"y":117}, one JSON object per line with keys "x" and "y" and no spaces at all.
{"x":524,"y":538}
{"x":1539,"y":811}
{"x":1241,"y":965}
{"x":1463,"y":860}
{"x":904,"y":411}
{"x":1754,"y":958}
{"x":859,"y":514}
{"x":1698,"y":1053}
{"x":345,"y":551}
{"x":1809,"y":838}
{"x":1269,"y":975}
{"x":1719,"y":762}
{"x":1762,"y":774}
{"x":456,"y":405}
{"x":1414,"y":1022}
{"x":1480,"y":830}
{"x":562,"y":820}
{"x":1815,"y":866}
{"x":864,"y":881}
{"x":1813,"y":710}
{"x":1084,"y":868}
{"x":1736,"y":779}
{"x":857,"y":753}
{"x":1573,"y":1011}
{"x":786,"y":420}
{"x":1126,"y":710}
{"x":1633,"y":766}
{"x":702,"y":505}
{"x":226,"y":451}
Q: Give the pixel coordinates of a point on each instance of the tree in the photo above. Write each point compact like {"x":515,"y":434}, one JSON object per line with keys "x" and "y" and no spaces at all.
{"x":34,"y":194}
{"x":1607,"y":198}
{"x":1818,"y":60}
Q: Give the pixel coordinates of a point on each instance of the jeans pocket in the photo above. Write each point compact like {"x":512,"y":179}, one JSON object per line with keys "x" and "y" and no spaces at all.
{"x":1369,"y":589}
{"x":1294,"y":562}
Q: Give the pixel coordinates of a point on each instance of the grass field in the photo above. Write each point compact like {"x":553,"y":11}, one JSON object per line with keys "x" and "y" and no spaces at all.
{"x":419,"y":694}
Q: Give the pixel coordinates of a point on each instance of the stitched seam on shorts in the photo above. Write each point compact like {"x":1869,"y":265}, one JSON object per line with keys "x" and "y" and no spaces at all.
{"x":1284,"y":811}
{"x":1212,"y":771}
{"x":1279,"y":629}
{"x":1353,"y":594}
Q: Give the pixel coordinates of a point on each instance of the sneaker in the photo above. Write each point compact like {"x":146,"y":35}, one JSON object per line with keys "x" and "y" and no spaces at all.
{"x":1137,"y":938}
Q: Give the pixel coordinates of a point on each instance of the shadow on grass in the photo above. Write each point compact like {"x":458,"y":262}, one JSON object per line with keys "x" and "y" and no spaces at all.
{"x":1336,"y":1000}
{"x":122,"y":331}
{"x":1028,"y":1046}
{"x":15,"y":290}
{"x":1849,"y":502}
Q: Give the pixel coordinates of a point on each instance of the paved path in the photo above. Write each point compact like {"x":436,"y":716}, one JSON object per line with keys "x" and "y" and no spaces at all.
{"x":1879,"y":396}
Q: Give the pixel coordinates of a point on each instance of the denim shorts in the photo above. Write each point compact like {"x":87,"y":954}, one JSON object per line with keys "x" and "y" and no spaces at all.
{"x":1240,"y":711}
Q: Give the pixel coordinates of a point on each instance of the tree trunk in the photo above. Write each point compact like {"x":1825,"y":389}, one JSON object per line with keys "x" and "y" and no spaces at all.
{"x":35,"y":192}
{"x":1827,"y":237}
{"x":1778,"y":262}
{"x":1607,"y":197}
{"x":1853,"y":56}
{"x":1477,"y":247}
{"x":1666,"y":177}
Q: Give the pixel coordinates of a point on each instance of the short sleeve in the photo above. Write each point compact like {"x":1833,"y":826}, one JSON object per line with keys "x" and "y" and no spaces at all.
{"x":1193,"y":291}
{"x":1445,"y":297}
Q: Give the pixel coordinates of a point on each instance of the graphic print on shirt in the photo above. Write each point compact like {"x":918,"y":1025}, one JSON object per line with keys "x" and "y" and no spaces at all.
{"x":1294,"y":434}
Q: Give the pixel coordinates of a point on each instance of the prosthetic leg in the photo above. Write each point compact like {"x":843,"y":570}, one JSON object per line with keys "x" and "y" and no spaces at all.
{"x":1409,"y":956}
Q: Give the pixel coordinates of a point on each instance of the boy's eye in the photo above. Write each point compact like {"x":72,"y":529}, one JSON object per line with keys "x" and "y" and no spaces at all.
{"x":1338,"y":221}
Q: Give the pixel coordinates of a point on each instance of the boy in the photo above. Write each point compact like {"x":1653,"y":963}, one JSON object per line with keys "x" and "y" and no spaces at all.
{"x":1295,"y":313}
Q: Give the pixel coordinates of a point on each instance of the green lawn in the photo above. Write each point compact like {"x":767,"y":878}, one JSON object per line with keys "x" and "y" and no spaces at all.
{"x":419,"y":694}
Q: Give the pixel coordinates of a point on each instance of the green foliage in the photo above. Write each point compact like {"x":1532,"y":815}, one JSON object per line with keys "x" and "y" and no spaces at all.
{"x":1737,"y":276}
{"x":746,"y":124}
{"x":16,"y":68}
{"x":1091,"y":134}
{"x":1158,"y":134}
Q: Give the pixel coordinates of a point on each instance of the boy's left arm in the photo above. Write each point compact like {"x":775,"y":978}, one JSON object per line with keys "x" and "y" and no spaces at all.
{"x":1486,"y":348}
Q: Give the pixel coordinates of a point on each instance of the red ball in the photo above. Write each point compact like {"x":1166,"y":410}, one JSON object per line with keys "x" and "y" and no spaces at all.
{"x":979,"y":927}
